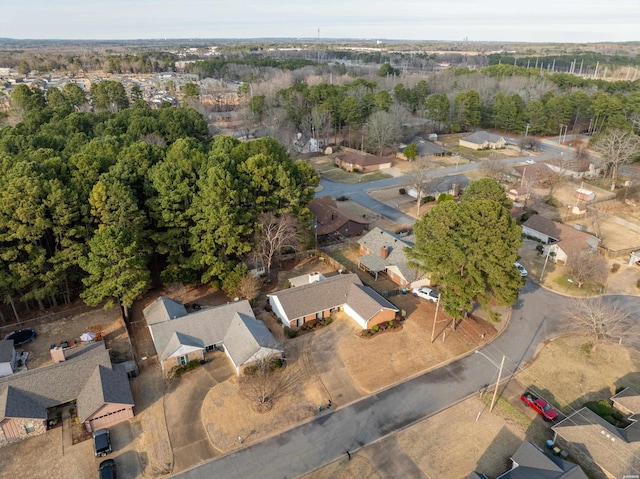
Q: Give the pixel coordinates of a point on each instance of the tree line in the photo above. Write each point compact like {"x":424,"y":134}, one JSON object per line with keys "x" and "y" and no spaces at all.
{"x":98,"y":204}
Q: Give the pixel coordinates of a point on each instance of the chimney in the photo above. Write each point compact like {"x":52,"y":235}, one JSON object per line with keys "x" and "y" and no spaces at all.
{"x":384,"y":252}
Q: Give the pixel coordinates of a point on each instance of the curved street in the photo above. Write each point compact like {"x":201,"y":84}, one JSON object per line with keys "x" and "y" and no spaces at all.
{"x":534,"y":320}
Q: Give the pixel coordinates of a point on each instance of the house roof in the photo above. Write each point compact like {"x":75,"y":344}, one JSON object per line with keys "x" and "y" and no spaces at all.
{"x":30,"y":393}
{"x":6,"y":350}
{"x":356,"y":158}
{"x":329,"y":218}
{"x":425,"y":147}
{"x":569,"y":239}
{"x":629,"y":399}
{"x":331,"y":293}
{"x":533,"y":463}
{"x":163,"y":309}
{"x":104,"y":386}
{"x":445,"y":183}
{"x":577,"y":165}
{"x":479,"y":137}
{"x":232,"y":324}
{"x":377,"y":239}
{"x":605,"y":444}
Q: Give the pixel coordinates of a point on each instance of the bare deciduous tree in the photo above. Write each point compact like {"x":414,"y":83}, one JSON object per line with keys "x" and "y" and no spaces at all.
{"x":419,"y":179}
{"x":494,"y":169}
{"x":382,"y":130}
{"x":274,"y":235}
{"x":604,"y":320}
{"x":266,"y":381}
{"x":617,"y":147}
{"x":249,"y":287}
{"x":587,"y":267}
{"x":555,"y":173}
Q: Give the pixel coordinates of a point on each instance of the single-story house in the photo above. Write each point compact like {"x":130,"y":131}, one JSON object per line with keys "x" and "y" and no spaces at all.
{"x":100,"y":390}
{"x":575,"y":167}
{"x":363,"y":162}
{"x":331,"y":222}
{"x":344,"y":292}
{"x":425,"y":148}
{"x":180,"y":337}
{"x":483,"y":140}
{"x":530,"y":462}
{"x":561,"y":241}
{"x":383,"y":252}
{"x":615,"y":451}
{"x":449,"y":184}
{"x":7,"y":357}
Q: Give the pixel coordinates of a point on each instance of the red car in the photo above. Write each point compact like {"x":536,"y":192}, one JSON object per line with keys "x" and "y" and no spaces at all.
{"x":540,"y":405}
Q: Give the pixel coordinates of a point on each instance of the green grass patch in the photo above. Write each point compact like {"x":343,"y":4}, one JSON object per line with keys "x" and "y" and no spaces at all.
{"x":572,"y":288}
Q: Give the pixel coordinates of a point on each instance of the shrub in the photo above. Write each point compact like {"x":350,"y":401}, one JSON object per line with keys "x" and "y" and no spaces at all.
{"x":615,"y":267}
{"x":356,"y":170}
{"x":428,"y":199}
{"x":376,"y":328}
{"x":275,"y":363}
{"x":193,"y":363}
{"x":587,"y":347}
{"x":251,"y":370}
{"x":402,"y":191}
{"x":602,"y":408}
{"x":292,"y":333}
{"x":342,"y":198}
{"x":445,"y":197}
{"x":495,"y":316}
{"x":638,"y":284}
{"x":179,"y":370}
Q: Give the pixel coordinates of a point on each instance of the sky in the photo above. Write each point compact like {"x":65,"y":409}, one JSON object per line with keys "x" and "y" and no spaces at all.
{"x":575,"y":21}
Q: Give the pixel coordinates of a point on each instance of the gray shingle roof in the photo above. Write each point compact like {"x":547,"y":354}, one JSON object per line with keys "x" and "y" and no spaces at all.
{"x":479,"y":137}
{"x":210,"y":326}
{"x":163,"y":309}
{"x":331,"y":293}
{"x":103,"y":386}
{"x":29,"y":394}
{"x":6,"y":350}
{"x":533,"y":463}
{"x":378,"y":238}
{"x":629,"y":399}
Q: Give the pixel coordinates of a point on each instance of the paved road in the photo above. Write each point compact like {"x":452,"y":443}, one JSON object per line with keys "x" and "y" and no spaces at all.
{"x":330,"y":435}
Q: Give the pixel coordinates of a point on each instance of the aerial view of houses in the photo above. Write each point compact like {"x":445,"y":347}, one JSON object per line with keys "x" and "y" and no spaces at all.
{"x":316,"y":252}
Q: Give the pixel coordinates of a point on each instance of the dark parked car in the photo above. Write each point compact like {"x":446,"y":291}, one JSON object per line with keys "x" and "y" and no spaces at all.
{"x":102,"y":442}
{"x":107,"y":469}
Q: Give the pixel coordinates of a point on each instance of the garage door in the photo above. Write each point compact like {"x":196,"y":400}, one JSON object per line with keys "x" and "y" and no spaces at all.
{"x":110,"y":419}
{"x":10,"y":429}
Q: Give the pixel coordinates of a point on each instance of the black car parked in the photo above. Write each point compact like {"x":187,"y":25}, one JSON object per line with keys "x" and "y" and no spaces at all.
{"x":102,"y":442}
{"x":107,"y":469}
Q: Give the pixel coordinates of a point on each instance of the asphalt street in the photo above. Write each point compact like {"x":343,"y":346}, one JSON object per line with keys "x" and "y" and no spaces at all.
{"x":534,"y":320}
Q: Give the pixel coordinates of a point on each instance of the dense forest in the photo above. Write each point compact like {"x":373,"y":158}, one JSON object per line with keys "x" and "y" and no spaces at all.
{"x":102,"y":204}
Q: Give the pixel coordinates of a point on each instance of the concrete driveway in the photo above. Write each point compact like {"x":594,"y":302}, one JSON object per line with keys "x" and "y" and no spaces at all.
{"x":183,"y":405}
{"x":624,"y":281}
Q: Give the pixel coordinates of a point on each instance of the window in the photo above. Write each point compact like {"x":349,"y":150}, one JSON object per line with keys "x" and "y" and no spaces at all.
{"x":29,"y":427}
{"x":183,"y":360}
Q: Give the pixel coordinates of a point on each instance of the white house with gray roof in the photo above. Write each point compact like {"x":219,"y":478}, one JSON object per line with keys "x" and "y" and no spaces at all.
{"x":384,"y":252}
{"x":315,"y":301}
{"x":100,"y":391}
{"x":180,"y":337}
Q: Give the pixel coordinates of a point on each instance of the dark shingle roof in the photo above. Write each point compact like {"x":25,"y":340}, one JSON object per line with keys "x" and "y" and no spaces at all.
{"x":355,"y":158}
{"x":103,"y":386}
{"x":629,"y":399}
{"x":6,"y":350}
{"x":479,"y":137}
{"x":329,"y":218}
{"x":533,"y":463}
{"x":29,"y":394}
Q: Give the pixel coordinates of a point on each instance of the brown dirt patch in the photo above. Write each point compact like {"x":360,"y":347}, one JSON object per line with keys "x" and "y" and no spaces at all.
{"x":228,"y":415}
{"x":587,"y":372}
{"x":71,"y":328}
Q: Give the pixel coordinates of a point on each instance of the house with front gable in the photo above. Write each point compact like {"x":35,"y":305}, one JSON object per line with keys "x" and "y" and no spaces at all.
{"x":332,"y":222}
{"x":180,"y":337}
{"x":83,"y":378}
{"x":320,"y":299}
{"x":384,"y":252}
{"x":612,"y":450}
{"x":354,"y":160}
{"x":560,"y":241}
{"x":483,"y":140}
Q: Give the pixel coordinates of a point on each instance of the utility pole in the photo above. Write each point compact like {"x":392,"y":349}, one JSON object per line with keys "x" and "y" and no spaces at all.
{"x":526,"y":131}
{"x":435,"y":317}
{"x":495,"y":393}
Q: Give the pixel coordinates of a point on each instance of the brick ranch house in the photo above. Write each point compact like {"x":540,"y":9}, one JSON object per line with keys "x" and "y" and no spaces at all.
{"x":363,"y":162}
{"x":180,"y":337}
{"x":319,"y":299}
{"x":383,"y":252}
{"x":84,"y":375}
